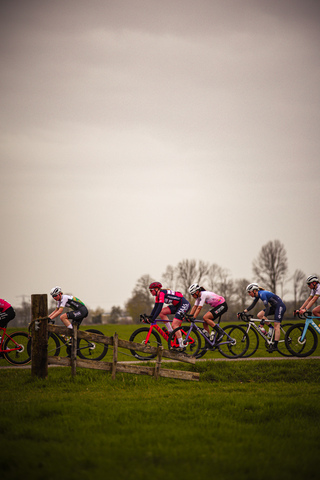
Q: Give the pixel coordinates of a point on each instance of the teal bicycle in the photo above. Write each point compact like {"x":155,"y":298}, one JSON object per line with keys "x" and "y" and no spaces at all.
{"x":301,"y":339}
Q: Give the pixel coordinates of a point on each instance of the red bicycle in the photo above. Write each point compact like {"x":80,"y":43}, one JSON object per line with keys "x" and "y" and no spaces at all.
{"x":15,"y":347}
{"x":152,"y":336}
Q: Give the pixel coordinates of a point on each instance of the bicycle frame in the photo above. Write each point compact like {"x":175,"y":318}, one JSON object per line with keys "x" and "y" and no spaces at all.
{"x":3,"y":336}
{"x":207,"y":340}
{"x":309,"y":321}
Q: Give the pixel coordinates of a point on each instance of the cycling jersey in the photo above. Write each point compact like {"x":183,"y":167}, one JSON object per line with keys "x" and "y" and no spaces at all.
{"x":4,"y":305}
{"x":70,"y":301}
{"x":272,"y":302}
{"x":209,"y":298}
{"x":170,"y":298}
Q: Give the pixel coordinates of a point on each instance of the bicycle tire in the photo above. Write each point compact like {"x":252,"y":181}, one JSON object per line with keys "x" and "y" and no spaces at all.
{"x":53,"y":345}
{"x":237,"y":349}
{"x":253,"y":340}
{"x":139,"y":336}
{"x":292,"y":340}
{"x":91,"y":350}
{"x":282,"y":348}
{"x":193,"y":344}
{"x":18,"y":357}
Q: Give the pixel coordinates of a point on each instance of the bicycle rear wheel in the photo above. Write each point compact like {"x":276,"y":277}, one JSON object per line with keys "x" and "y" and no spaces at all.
{"x":91,"y":350}
{"x":192,"y":343}
{"x":237,"y":345}
{"x":22,"y":343}
{"x":140,"y":336}
{"x":294,"y":344}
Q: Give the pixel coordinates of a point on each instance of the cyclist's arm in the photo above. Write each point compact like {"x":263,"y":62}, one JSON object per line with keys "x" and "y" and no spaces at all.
{"x":253,"y":304}
{"x":56,"y":313}
{"x":309,"y":302}
{"x":156,"y":311}
{"x":195,"y":311}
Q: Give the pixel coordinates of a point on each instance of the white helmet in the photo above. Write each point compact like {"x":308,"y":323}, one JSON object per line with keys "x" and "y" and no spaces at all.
{"x":194,"y":288}
{"x":252,"y":286}
{"x":312,"y":278}
{"x":55,"y":291}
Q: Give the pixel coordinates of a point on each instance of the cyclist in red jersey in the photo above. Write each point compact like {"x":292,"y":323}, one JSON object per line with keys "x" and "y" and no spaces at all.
{"x":177,"y":305}
{"x":6,"y":313}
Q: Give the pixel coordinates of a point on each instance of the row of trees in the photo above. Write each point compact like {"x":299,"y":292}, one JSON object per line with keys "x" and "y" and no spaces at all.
{"x":270,"y":270}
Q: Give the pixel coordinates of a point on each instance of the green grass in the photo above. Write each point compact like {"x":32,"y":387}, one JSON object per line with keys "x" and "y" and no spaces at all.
{"x":242,"y":420}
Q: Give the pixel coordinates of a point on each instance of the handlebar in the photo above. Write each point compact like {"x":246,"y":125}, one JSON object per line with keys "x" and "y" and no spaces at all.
{"x":302,"y":316}
{"x":245,"y":317}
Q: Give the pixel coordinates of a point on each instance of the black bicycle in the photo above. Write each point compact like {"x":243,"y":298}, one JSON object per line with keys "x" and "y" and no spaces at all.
{"x":86,"y":349}
{"x":231,"y":341}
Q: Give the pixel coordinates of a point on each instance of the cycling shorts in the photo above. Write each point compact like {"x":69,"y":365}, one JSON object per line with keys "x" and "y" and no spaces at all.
{"x":219,"y":310}
{"x":78,"y":315}
{"x":180,"y":309}
{"x":6,"y":316}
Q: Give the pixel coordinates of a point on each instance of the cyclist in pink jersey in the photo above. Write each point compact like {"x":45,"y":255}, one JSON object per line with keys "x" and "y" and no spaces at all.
{"x":218,"y":304}
{"x":177,"y":305}
{"x":314,"y":285}
{"x":6,"y":313}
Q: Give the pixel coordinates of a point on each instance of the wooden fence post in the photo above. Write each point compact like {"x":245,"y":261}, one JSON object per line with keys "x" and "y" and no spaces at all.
{"x":39,"y":332}
{"x":73,"y":354}
{"x":115,"y":356}
{"x":158,"y":362}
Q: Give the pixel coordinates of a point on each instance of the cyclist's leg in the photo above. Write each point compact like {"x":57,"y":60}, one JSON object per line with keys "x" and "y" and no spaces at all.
{"x":278,"y":316}
{"x":178,"y":311}
{"x":164,"y":316}
{"x":316,"y":311}
{"x":213,"y":314}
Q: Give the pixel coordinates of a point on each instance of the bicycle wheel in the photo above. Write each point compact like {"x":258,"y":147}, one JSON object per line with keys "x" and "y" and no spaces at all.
{"x":294,"y":344}
{"x":253,"y":340}
{"x":21,"y":342}
{"x":192,"y":343}
{"x":53,"y":345}
{"x":281,"y":343}
{"x":91,"y":350}
{"x":237,"y":345}
{"x":140,"y":336}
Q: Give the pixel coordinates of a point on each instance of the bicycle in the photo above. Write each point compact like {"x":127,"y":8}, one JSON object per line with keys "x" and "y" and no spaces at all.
{"x":254,"y":332}
{"x":230,"y":346}
{"x":86,"y":349}
{"x":301,"y":338}
{"x":15,"y":347}
{"x":151,"y":336}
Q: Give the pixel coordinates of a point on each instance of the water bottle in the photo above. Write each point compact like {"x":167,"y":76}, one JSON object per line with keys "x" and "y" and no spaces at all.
{"x":263,"y":330}
{"x":205,"y":332}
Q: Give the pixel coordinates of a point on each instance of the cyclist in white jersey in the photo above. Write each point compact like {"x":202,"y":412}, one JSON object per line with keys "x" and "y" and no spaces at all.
{"x":314,"y":285}
{"x":217,"y":302}
{"x":78,"y":309}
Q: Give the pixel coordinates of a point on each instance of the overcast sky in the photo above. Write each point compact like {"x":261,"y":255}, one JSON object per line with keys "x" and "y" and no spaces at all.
{"x":138,"y":133}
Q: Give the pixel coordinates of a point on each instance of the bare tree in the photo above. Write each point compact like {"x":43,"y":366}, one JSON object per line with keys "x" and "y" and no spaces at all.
{"x":271,"y":266}
{"x":300,"y":289}
{"x":169,"y":278}
{"x":240,"y":292}
{"x":188,"y":272}
{"x":141,"y":301}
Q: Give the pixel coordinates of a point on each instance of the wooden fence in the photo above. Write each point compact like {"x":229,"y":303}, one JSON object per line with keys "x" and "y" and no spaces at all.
{"x":41,"y":360}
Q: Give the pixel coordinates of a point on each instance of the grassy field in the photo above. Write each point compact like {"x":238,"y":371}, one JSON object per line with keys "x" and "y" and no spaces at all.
{"x":242,"y":420}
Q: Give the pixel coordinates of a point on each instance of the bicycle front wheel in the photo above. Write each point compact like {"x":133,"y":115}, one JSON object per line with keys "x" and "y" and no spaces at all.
{"x":20,"y":344}
{"x":253,"y":340}
{"x":140,"y":336}
{"x":53,"y":345}
{"x":91,"y":350}
{"x":235,"y":343}
{"x":281,"y":343}
{"x":191,"y":342}
{"x":297,"y":347}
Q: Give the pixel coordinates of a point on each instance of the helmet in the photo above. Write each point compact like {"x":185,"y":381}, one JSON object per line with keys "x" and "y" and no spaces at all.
{"x":154,"y":285}
{"x":55,"y":291}
{"x":194,"y":288}
{"x":252,"y":286}
{"x":312,"y":278}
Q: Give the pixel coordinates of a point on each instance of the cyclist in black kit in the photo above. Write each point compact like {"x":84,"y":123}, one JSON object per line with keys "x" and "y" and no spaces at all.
{"x":78,"y":309}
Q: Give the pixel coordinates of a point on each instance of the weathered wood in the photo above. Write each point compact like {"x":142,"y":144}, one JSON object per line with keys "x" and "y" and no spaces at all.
{"x":39,"y":336}
{"x":115,"y":355}
{"x":122,"y":368}
{"x":95,"y":337}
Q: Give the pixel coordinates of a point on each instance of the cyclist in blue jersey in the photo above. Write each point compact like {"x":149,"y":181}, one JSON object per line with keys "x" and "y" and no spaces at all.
{"x":78,"y":309}
{"x":273,"y":306}
{"x":177,"y":305}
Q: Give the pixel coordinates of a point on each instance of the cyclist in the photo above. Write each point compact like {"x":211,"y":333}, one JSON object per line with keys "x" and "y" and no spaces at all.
{"x":78,"y":309}
{"x":273,"y":306}
{"x":177,"y":305}
{"x":314,"y":285}
{"x":6,"y":313}
{"x":218,"y":304}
